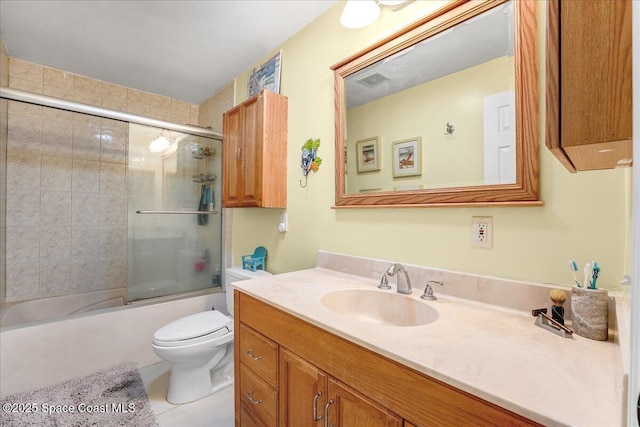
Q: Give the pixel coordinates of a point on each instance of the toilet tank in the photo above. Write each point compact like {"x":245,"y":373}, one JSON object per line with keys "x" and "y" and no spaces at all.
{"x":236,"y":274}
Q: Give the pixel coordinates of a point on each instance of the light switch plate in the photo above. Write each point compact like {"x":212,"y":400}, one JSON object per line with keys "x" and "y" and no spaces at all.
{"x":283,"y":226}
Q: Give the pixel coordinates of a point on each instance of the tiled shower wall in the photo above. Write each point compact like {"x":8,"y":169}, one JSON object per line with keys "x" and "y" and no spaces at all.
{"x":4,"y":81}
{"x":211,"y":114}
{"x":66,"y":183}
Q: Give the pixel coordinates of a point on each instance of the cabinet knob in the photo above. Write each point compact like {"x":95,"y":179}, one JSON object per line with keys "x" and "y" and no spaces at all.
{"x":250,"y":354}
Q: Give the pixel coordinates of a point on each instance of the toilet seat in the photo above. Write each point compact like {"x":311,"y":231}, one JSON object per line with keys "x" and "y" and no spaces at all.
{"x":210,"y":326}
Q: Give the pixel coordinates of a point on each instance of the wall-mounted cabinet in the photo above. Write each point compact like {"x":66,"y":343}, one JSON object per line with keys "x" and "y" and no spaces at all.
{"x":589,"y":83}
{"x":255,"y":153}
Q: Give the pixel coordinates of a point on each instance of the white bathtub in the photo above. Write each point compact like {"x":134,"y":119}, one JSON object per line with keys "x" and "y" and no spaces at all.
{"x":56,"y":307}
{"x":45,"y":353}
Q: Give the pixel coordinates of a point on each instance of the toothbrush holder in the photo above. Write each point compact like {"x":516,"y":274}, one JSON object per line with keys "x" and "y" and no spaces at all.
{"x":589,"y":313}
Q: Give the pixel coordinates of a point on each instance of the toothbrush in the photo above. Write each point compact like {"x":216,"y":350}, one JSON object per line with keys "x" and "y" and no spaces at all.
{"x":574,"y":267}
{"x":587,"y":275}
{"x":595,"y":272}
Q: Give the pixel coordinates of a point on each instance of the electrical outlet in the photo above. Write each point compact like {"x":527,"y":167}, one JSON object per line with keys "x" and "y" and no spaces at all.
{"x":482,"y":232}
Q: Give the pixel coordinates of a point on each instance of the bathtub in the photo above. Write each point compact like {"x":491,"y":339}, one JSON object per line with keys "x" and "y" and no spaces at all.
{"x":57,"y":307}
{"x":45,"y":353}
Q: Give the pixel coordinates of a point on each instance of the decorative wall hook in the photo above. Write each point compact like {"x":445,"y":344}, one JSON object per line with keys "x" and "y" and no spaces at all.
{"x":449,"y":129}
{"x":310,"y":161}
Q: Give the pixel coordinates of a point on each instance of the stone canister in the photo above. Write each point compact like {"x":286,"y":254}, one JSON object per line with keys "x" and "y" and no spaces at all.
{"x":589,"y":313}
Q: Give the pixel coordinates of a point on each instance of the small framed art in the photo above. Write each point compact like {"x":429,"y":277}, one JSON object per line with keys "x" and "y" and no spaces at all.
{"x":266,"y":76}
{"x":407,"y":157}
{"x":368,"y":154}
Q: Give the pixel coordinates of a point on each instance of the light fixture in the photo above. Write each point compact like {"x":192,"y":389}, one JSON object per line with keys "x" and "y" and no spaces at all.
{"x":159,"y":144}
{"x":360,"y":13}
{"x":391,"y":3}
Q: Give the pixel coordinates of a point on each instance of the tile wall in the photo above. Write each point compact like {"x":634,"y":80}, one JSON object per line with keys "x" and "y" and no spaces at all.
{"x":4,"y":106}
{"x":211,"y":113}
{"x":66,"y":204}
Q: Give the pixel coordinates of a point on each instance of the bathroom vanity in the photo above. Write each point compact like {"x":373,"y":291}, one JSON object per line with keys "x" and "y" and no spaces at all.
{"x":286,"y":362}
{"x":300,"y":360}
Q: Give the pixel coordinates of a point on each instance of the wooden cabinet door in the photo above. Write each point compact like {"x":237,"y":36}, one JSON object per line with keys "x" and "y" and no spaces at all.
{"x":351,"y":409}
{"x":589,"y":105}
{"x":233,"y":177}
{"x":251,"y":153}
{"x":596,"y":71}
{"x":300,"y":383}
{"x":255,"y":153}
{"x":242,"y":166}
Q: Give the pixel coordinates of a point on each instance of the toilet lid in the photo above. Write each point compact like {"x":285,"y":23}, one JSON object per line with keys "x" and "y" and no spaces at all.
{"x":193,"y":326}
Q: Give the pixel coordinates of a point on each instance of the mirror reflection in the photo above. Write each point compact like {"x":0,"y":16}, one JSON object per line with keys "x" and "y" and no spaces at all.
{"x":438,"y":114}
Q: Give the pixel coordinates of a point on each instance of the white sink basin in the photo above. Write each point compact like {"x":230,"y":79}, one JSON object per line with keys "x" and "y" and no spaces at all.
{"x":384,"y":308}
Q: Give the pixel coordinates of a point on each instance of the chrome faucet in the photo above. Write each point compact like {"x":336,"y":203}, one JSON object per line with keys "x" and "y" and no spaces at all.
{"x":428,"y":290}
{"x":403,"y":285}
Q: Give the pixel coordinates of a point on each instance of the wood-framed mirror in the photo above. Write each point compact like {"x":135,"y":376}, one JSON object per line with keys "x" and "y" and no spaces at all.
{"x":442,"y":113}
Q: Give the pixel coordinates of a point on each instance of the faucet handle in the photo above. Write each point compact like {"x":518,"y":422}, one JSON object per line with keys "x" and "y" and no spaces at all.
{"x":384,"y":283}
{"x":428,"y":290}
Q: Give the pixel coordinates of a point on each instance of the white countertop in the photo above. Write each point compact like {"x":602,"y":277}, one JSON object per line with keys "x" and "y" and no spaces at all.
{"x":496,"y":354}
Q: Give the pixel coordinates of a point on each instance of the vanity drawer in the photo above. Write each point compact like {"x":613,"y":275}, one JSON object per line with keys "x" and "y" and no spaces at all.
{"x":247,"y":419}
{"x":258,"y":397}
{"x":260,"y":354}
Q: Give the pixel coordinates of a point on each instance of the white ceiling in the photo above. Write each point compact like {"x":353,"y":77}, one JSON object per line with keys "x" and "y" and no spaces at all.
{"x":475,"y":41}
{"x":186,"y":49}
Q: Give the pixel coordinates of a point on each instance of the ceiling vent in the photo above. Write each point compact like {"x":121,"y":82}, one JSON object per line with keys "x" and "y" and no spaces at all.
{"x":373,"y":79}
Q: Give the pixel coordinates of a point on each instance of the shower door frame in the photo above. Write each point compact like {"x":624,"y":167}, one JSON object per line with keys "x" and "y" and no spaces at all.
{"x":77,"y":107}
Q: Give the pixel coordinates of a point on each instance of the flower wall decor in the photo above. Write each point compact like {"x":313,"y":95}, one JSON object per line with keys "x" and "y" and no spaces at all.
{"x":310,"y":161}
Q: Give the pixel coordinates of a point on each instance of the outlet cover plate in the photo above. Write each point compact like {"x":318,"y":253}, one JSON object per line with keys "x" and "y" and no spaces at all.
{"x":482,"y":232}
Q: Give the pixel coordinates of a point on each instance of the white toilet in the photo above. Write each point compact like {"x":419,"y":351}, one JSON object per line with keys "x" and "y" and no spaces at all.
{"x":200,"y":347}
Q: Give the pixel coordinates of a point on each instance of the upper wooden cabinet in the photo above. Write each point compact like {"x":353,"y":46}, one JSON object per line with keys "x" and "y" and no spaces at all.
{"x":254,"y":165}
{"x":589,"y":83}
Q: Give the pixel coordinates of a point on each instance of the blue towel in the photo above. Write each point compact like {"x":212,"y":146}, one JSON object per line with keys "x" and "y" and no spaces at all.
{"x":205,"y":194}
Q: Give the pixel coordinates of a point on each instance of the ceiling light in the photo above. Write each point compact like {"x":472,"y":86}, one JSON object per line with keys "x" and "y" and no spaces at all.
{"x":159,"y":144}
{"x":391,"y":2}
{"x":359,"y":13}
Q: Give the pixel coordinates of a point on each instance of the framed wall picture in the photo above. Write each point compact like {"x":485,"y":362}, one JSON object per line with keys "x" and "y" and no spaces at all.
{"x":368,"y":154}
{"x":407,"y":157}
{"x":266,"y":76}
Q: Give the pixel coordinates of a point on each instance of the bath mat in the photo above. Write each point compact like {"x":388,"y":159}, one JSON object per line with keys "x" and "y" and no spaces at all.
{"x":112,"y":397}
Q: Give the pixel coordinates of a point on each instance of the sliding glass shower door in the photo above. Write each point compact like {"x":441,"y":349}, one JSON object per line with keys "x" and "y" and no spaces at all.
{"x":174,"y":215}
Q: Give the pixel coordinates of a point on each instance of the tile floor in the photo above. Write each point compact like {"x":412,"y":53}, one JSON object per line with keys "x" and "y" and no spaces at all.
{"x":212,"y":411}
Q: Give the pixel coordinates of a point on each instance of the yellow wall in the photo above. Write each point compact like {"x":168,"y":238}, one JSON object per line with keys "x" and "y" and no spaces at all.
{"x":446,"y":162}
{"x":585,"y":215}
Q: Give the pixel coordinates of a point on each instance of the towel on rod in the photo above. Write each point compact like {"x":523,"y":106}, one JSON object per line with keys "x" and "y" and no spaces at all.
{"x":205,"y":194}
{"x":212,"y":198}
